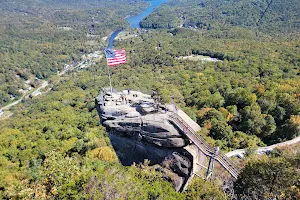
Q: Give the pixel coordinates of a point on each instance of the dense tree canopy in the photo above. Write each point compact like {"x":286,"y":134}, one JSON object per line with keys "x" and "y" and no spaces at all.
{"x":38,"y":38}
{"x":275,"y":176}
{"x":54,"y":147}
{"x":267,"y":16}
{"x":245,"y":94}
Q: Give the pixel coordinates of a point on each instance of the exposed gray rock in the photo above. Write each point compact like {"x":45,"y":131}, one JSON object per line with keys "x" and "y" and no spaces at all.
{"x":168,"y":142}
{"x":141,"y":131}
{"x":170,"y":176}
{"x":180,"y":164}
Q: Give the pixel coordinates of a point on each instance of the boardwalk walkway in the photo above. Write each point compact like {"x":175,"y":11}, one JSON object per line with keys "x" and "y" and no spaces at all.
{"x":208,"y":150}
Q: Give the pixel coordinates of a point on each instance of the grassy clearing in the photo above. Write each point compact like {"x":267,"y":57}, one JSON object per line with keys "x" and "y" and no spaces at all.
{"x":199,"y":58}
{"x":125,"y":35}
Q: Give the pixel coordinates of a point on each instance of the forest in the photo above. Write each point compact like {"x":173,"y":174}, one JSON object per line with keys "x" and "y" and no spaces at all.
{"x":268,"y":16}
{"x":248,"y":98}
{"x":38,"y":38}
{"x":54,"y":147}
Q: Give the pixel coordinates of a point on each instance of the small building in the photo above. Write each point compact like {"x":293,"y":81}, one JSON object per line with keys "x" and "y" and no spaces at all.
{"x":67,"y":67}
{"x":1,"y":113}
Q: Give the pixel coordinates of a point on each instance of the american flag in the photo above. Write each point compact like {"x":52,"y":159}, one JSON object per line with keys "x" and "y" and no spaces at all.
{"x":115,"y":57}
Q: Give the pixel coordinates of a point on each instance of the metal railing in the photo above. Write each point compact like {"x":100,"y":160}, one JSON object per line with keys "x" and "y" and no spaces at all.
{"x":207,"y":149}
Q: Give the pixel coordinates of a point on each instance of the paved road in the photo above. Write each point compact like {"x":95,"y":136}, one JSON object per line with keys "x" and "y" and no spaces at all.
{"x":44,"y":84}
{"x":13,"y":103}
{"x":71,"y":68}
{"x":241,"y":152}
{"x":6,"y":117}
{"x":223,"y":159}
{"x":7,"y":107}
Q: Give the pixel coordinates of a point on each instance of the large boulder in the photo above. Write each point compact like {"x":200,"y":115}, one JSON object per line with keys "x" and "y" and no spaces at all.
{"x":146,"y":136}
{"x":167,"y":142}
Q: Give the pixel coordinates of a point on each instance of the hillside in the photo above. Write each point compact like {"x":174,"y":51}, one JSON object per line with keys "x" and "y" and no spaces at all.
{"x":37,"y":38}
{"x":53,"y":147}
{"x":266,"y":16}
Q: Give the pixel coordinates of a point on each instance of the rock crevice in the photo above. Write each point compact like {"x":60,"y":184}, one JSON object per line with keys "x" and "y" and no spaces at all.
{"x":141,"y":130}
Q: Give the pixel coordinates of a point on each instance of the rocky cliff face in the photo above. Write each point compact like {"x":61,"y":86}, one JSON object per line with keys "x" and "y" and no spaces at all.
{"x":138,"y":135}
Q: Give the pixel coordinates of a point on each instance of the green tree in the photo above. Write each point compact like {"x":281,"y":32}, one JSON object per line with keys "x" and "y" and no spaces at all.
{"x":265,"y":178}
{"x":200,"y":189}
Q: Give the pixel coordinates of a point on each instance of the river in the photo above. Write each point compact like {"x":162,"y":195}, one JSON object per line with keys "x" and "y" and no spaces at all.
{"x":134,"y":21}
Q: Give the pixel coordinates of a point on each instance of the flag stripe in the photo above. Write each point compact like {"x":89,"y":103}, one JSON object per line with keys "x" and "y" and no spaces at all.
{"x":115,"y":57}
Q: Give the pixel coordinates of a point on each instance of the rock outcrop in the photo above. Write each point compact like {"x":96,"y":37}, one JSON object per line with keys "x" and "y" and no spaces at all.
{"x":140,"y":130}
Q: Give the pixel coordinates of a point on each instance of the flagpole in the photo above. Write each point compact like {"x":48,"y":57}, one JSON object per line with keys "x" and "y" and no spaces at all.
{"x":114,"y":60}
{"x":109,"y":80}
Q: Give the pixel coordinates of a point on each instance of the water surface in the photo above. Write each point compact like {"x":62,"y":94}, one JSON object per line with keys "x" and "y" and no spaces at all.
{"x":135,"y":20}
{"x":112,"y":39}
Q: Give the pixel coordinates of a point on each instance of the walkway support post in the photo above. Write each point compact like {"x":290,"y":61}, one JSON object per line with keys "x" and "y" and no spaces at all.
{"x":210,"y":168}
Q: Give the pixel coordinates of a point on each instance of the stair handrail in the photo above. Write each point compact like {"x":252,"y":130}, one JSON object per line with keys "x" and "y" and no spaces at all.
{"x":207,"y":149}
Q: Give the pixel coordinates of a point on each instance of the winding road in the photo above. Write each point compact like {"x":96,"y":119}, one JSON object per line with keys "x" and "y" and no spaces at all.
{"x":42,"y":86}
{"x":242,"y":152}
{"x":223,"y":159}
